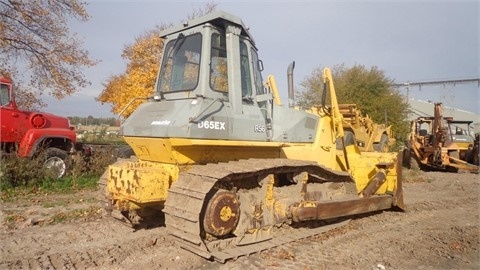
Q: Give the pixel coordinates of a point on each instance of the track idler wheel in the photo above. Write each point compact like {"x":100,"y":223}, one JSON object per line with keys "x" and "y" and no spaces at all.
{"x":222,"y":213}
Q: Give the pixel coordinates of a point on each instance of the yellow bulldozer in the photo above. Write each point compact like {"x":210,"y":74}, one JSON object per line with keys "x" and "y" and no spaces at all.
{"x":232,"y":171}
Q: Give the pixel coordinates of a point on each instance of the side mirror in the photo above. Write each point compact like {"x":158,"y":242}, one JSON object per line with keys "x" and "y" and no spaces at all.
{"x":260,"y":65}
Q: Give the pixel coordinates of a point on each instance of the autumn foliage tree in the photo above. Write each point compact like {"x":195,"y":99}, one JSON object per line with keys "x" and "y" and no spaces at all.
{"x":27,"y":99}
{"x":143,"y":60}
{"x":36,"y":40}
{"x":370,"y":89}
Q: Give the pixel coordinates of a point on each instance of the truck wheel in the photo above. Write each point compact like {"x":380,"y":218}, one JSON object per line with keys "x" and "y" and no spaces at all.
{"x":55,"y":162}
{"x":382,"y":146}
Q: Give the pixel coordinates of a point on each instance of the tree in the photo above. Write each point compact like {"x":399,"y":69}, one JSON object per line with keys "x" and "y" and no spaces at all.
{"x":370,"y":89}
{"x":35,"y":34}
{"x":143,"y":59}
{"x":26,"y":99}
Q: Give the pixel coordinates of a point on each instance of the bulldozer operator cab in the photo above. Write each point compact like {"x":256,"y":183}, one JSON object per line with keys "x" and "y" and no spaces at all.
{"x":210,"y":86}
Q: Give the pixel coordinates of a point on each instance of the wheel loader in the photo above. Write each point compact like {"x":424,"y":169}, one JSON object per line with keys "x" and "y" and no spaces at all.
{"x":234,"y":172}
{"x":362,"y":130}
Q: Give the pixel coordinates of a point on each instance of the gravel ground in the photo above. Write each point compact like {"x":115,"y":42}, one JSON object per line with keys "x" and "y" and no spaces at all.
{"x":439,"y":230}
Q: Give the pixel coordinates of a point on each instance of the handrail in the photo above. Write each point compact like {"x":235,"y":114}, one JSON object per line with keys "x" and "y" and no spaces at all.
{"x":195,"y":119}
{"x":130,"y":103}
{"x":273,"y":88}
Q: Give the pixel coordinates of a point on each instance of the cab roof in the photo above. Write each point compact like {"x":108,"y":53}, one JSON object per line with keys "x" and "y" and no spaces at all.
{"x":216,"y":18}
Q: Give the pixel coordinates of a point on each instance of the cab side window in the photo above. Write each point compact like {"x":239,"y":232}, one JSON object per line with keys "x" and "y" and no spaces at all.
{"x":257,"y":73}
{"x":245,"y":73}
{"x":218,"y":64}
{"x":4,"y":95}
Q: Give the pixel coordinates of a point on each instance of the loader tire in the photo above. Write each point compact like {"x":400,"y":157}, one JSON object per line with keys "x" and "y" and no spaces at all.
{"x":470,"y":156}
{"x":453,"y":154}
{"x":413,"y":163}
{"x":406,"y":158}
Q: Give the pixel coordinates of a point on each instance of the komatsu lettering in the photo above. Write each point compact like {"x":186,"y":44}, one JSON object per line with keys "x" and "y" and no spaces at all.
{"x":212,"y":125}
{"x":160,"y":123}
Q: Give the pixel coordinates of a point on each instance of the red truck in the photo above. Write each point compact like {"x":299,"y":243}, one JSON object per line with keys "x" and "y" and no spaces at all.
{"x":35,"y":134}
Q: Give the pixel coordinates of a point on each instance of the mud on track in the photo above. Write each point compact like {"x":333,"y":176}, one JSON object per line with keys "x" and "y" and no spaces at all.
{"x":440,"y":230}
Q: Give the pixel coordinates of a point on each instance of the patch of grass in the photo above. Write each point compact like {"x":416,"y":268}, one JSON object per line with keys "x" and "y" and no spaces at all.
{"x":90,"y":200}
{"x":11,"y":219}
{"x":16,"y":171}
{"x":66,"y":185}
{"x":53,"y":204}
{"x":21,"y":176}
{"x":57,"y":218}
{"x":10,"y":194}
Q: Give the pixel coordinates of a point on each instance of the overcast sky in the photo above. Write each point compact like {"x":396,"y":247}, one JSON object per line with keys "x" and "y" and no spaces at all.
{"x":411,"y":41}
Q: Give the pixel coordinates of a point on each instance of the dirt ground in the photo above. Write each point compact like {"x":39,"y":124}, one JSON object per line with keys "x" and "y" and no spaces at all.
{"x":440,"y":230}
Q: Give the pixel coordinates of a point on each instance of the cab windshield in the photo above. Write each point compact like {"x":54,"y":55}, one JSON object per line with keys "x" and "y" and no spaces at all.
{"x":460,"y":132}
{"x":181,"y":64}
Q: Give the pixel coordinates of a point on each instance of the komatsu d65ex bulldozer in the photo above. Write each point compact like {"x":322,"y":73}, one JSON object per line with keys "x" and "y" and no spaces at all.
{"x":233,"y":171}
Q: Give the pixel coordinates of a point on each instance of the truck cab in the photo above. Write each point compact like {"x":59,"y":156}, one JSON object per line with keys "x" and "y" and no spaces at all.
{"x":29,"y":134}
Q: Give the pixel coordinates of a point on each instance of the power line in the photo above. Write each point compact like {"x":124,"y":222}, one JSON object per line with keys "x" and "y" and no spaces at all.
{"x":442,"y":82}
{"x":420,"y":84}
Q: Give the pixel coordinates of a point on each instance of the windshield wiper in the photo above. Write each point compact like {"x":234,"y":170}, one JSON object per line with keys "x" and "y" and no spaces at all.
{"x":178,"y":43}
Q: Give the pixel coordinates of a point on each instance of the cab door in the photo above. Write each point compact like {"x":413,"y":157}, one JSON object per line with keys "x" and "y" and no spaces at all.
{"x":253,"y":123}
{"x":10,"y":121}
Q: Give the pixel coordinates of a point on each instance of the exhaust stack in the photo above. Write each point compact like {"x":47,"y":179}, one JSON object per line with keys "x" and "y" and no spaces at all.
{"x":291,"y":93}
